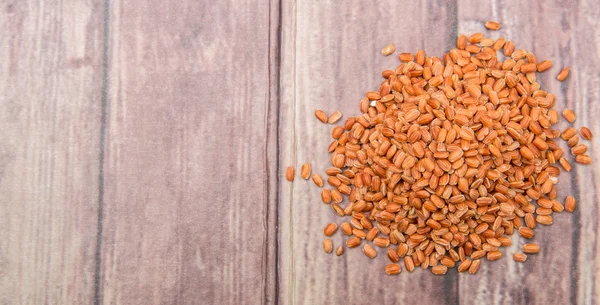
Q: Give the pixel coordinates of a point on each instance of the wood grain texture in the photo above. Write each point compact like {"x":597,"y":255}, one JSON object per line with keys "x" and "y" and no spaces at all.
{"x":561,"y":273}
{"x":187,"y":214}
{"x":50,"y":91}
{"x":330,"y":58}
{"x":208,"y":103}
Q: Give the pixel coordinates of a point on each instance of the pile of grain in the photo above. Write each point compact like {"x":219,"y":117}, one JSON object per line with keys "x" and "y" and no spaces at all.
{"x":449,"y":158}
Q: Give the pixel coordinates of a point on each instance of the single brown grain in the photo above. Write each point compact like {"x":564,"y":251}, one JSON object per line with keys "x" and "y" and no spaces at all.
{"x":393,"y":269}
{"x":318,"y":180}
{"x":334,"y":117}
{"x":562,"y":75}
{"x":330,"y":229}
{"x":289,"y":173}
{"x":369,"y":251}
{"x":492,"y":25}
{"x":520,"y":257}
{"x":531,"y":248}
{"x":570,"y":204}
{"x":320,"y":114}
{"x":328,"y":245}
{"x":569,"y":115}
{"x":305,"y":171}
{"x":388,"y":50}
{"x":583,"y":159}
{"x":439,"y":270}
{"x":585,"y":133}
{"x":339,"y":251}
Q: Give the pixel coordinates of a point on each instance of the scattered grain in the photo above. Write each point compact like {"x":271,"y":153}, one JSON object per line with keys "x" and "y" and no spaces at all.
{"x":388,"y":50}
{"x":289,"y":174}
{"x":569,"y":115}
{"x":439,"y":270}
{"x":492,"y":25}
{"x":320,"y":114}
{"x":583,"y":159}
{"x":336,"y":116}
{"x":392,"y":269}
{"x":585,"y":133}
{"x":562,"y":75}
{"x":339,"y":251}
{"x":369,"y":251}
{"x":531,"y":248}
{"x":318,"y":180}
{"x":474,"y":266}
{"x":328,"y":245}
{"x":326,"y":196}
{"x":330,"y":229}
{"x":520,"y":257}
{"x":305,"y":171}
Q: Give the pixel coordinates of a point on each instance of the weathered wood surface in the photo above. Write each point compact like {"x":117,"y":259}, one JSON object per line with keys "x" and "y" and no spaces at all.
{"x":50,"y":92}
{"x":187,"y":208}
{"x":330,"y":58}
{"x":206,"y":104}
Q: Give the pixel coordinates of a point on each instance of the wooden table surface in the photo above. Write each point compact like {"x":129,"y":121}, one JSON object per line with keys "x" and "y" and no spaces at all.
{"x":144,"y":142}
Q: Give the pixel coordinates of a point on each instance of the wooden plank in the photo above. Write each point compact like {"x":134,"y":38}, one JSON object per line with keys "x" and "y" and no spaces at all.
{"x":330,"y":58}
{"x":557,"y":275}
{"x":188,"y":204}
{"x":50,"y":97}
{"x":583,"y":84}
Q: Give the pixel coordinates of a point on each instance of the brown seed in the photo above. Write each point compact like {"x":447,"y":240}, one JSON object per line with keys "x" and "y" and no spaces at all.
{"x":328,"y":245}
{"x":393,"y":255}
{"x":568,"y":133}
{"x":531,"y":248}
{"x":579,"y":149}
{"x":406,"y":57}
{"x":321,"y":116}
{"x":439,"y":270}
{"x":573,"y":141}
{"x":330,"y":229}
{"x":337,"y":132}
{"x":359,"y":233}
{"x":369,"y":251}
{"x":373,"y":232}
{"x":289,"y":174}
{"x":569,"y":115}
{"x":494,"y":255}
{"x":563,"y":74}
{"x":326,"y":196}
{"x":526,"y":232}
{"x":353,"y":242}
{"x":318,"y":180}
{"x":346,"y":228}
{"x":544,"y":65}
{"x":565,"y":164}
{"x":570,"y":204}
{"x":585,"y":133}
{"x":409,"y":265}
{"x":475,"y":38}
{"x":392,"y":269}
{"x":544,"y":219}
{"x":305,"y":171}
{"x":461,"y":42}
{"x":339,"y":251}
{"x":381,"y":242}
{"x":474,"y":266}
{"x":583,"y":159}
{"x":336,"y":116}
{"x":519,"y":257}
{"x":388,"y":50}
{"x":336,"y":196}
{"x":464,"y":266}
{"x":492,"y":25}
